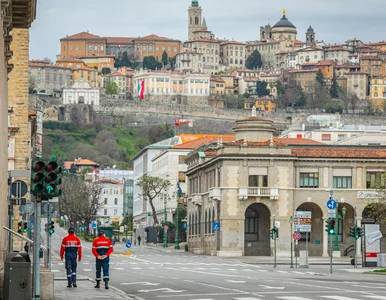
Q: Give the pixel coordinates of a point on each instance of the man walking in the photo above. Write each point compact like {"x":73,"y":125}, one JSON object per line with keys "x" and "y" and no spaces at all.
{"x":102,"y":248}
{"x":71,"y":249}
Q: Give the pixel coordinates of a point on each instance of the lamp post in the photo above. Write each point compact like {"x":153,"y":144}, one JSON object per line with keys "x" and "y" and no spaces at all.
{"x":291,"y":221}
{"x":165,"y":243}
{"x":176,"y":241}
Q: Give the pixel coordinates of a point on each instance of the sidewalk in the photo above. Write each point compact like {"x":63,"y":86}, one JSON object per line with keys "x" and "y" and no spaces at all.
{"x":86,"y":290}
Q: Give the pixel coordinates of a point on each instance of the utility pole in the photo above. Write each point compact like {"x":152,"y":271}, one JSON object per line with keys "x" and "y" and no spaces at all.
{"x":36,"y":257}
{"x":176,"y":241}
{"x":48,"y":235}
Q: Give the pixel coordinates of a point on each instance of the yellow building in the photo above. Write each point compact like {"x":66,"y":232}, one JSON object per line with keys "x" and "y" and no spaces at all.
{"x":172,"y":87}
{"x":265,"y":104}
{"x":304,"y":78}
{"x":81,"y":44}
{"x":231,"y":84}
{"x":71,"y":63}
{"x":378,"y":92}
{"x":217,"y":86}
{"x":120,"y":79}
{"x":98,"y":61}
{"x":91,"y":75}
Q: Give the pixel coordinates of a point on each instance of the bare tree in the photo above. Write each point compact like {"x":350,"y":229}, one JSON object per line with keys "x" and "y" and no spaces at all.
{"x":151,"y":188}
{"x":344,"y":98}
{"x":80,"y":200}
{"x":354,"y":101}
{"x":32,"y":83}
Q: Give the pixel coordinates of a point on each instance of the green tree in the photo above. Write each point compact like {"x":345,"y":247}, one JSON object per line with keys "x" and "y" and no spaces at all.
{"x":117,"y":63}
{"x":246,"y":95}
{"x":151,"y":188}
{"x":165,"y":58}
{"x":334,"y":89}
{"x":254,"y":60}
{"x":261,"y":89}
{"x":111,"y":88}
{"x":319,"y":77}
{"x":106,"y":71}
{"x":125,"y":61}
{"x":149,"y":62}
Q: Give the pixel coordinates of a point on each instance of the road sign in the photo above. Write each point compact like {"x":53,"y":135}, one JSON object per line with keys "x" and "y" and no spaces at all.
{"x":296,"y":235}
{"x":128,"y":245}
{"x":302,"y":221}
{"x":29,"y":207}
{"x":94,"y":225}
{"x":331,"y":213}
{"x":216,"y":226}
{"x":48,"y":208}
{"x":331,"y":204}
{"x":166,"y":227}
{"x":19,"y":188}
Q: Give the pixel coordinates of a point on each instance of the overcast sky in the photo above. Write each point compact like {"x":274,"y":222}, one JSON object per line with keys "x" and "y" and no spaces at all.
{"x":334,"y":21}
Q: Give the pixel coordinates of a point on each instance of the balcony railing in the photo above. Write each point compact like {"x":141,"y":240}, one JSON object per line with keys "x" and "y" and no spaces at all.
{"x":245,"y":192}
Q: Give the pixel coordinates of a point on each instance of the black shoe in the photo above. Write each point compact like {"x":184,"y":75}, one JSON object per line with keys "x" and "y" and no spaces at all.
{"x":74,"y":285}
{"x":70,"y":285}
{"x":106,"y":285}
{"x":98,"y":285}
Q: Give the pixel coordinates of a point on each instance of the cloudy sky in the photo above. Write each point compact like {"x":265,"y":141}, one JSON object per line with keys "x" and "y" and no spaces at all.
{"x":334,"y":21}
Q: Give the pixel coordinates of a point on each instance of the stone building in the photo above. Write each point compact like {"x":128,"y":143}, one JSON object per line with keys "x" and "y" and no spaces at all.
{"x":15,"y":19}
{"x":81,"y":93}
{"x":248,"y":184}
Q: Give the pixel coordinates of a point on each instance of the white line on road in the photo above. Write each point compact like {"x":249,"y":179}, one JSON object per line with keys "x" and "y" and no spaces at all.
{"x":293,"y":298}
{"x":164,"y":290}
{"x":371,"y":287}
{"x":376,"y":297}
{"x":339,"y":298}
{"x":55,"y":271}
{"x":272,"y":287}
{"x":236,"y":281}
{"x":87,"y":270}
{"x":140,"y":283}
{"x":248,"y":298}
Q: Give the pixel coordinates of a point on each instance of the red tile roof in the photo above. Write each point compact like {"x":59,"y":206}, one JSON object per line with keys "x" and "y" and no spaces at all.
{"x":47,"y":66}
{"x":120,"y":40}
{"x":226,"y":138}
{"x":81,"y":162}
{"x":83,"y":36}
{"x":233,"y":43}
{"x":85,"y":69}
{"x":338,"y":153}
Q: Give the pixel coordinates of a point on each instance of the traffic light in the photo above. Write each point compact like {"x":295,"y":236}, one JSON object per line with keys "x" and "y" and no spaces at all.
{"x":20,"y":227}
{"x":53,"y":179}
{"x":358,"y":233}
{"x":352,"y":231}
{"x":52,"y":227}
{"x":274,"y":233}
{"x":37,"y":177}
{"x":25,"y":227}
{"x":332,"y":227}
{"x":147,"y":229}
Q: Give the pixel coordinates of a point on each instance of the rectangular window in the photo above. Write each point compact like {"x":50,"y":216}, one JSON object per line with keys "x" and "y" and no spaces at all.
{"x":309,"y":180}
{"x":342,"y":137}
{"x":115,"y":201}
{"x":326,"y":137}
{"x":181,"y":177}
{"x":96,"y":47}
{"x":342,"y":182}
{"x":258,"y":180}
{"x":375,"y":179}
{"x":181,"y":159}
{"x":105,"y":212}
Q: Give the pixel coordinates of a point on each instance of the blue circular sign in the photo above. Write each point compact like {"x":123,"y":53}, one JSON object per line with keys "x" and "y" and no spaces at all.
{"x":331,"y":204}
{"x":128,"y":245}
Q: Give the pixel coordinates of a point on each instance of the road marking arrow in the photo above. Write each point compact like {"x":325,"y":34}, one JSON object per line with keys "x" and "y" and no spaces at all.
{"x":165,"y":290}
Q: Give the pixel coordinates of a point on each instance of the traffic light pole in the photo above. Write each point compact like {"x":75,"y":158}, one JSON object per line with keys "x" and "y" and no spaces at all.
{"x":355,"y":240}
{"x":36,"y":258}
{"x":48,"y":235}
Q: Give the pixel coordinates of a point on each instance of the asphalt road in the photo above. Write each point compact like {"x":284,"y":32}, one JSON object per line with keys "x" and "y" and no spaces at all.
{"x":158,"y":273}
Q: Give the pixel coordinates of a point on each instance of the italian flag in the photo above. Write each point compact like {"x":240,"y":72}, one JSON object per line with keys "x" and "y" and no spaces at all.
{"x":141,"y":89}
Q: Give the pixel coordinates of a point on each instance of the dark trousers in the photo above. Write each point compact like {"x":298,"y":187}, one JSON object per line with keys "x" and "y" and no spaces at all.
{"x":102,"y":264}
{"x":71,"y":265}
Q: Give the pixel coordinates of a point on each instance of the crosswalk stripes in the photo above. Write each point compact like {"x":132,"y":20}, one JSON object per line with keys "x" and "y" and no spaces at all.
{"x":339,"y":298}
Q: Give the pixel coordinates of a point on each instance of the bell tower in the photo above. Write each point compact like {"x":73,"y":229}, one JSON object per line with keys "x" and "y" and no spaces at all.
{"x":194,"y":19}
{"x":310,"y":36}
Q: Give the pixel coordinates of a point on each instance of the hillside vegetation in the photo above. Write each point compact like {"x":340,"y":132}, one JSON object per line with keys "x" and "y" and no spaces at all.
{"x":105,"y":145}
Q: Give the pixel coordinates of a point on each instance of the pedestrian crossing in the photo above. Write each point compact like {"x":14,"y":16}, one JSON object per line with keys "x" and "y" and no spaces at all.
{"x":316,"y":297}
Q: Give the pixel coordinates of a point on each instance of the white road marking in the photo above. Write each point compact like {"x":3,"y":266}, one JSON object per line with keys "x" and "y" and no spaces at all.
{"x":120,"y":269}
{"x":293,"y":298}
{"x":376,"y":297}
{"x":140,"y":283}
{"x":339,"y":298}
{"x":272,"y":287}
{"x":247,"y":298}
{"x":371,"y":287}
{"x":236,"y":281}
{"x":136,"y":268}
{"x":55,"y":271}
{"x":87,"y":270}
{"x":164,"y":290}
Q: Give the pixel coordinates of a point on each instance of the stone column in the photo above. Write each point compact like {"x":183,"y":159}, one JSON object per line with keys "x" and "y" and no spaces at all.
{"x":325,"y":239}
{"x":359,"y":241}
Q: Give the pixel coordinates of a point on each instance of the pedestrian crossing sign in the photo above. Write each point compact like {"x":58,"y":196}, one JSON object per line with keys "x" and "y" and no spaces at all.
{"x":216,"y":226}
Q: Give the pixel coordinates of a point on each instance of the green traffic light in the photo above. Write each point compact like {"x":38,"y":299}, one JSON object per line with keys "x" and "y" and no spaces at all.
{"x":331,"y":231}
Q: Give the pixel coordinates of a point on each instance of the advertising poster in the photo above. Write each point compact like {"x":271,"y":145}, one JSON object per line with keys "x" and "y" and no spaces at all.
{"x":373,"y":237}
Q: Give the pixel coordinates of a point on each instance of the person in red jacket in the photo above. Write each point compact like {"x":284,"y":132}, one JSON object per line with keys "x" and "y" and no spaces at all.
{"x":72,"y":248}
{"x":102,"y":248}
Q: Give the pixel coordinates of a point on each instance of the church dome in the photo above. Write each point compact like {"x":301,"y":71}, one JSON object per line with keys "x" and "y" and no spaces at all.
{"x":284,"y":23}
{"x":194,"y":2}
{"x":310,"y":29}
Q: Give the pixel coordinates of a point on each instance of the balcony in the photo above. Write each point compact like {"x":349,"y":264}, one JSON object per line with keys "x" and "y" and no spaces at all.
{"x":245,"y":192}
{"x":197,"y":199}
{"x":215,"y":194}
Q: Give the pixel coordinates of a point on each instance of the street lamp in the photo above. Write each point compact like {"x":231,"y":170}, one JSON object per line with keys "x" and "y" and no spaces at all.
{"x":291,"y":221}
{"x":165,"y":243}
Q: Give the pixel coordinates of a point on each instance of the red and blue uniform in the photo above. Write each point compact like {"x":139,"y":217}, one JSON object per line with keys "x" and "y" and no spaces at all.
{"x":71,"y":249}
{"x":102,"y":246}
